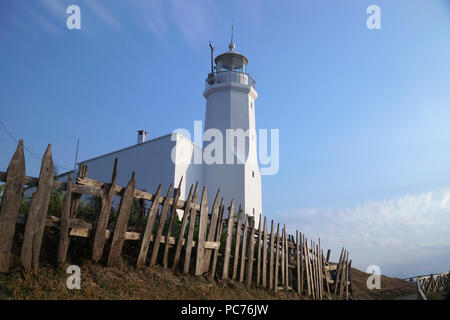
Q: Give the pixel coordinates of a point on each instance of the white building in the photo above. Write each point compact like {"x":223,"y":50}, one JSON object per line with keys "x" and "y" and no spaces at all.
{"x":230,"y":104}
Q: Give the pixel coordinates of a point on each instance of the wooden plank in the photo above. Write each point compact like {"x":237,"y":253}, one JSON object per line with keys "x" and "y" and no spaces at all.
{"x":122,"y":222}
{"x":82,"y":173}
{"x":283,"y":258}
{"x":212,"y":229}
{"x":203,"y":221}
{"x":317,"y":271}
{"x":244,"y":250}
{"x":34,"y":228}
{"x":259,"y":254}
{"x":338,"y":272}
{"x":277,"y":258}
{"x":218,"y":236}
{"x":12,"y":195}
{"x":251,"y":254}
{"x":312,"y":271}
{"x":162,"y":221}
{"x":308,"y":267}
{"x":297,"y":255}
{"x":264,"y":255}
{"x":286,"y":257}
{"x":230,"y":225}
{"x":320,"y":263}
{"x":302,"y":264}
{"x":148,"y":230}
{"x":93,"y":187}
{"x":190,"y":236}
{"x":173,"y":216}
{"x":102,"y":221}
{"x":64,"y":225}
{"x":344,"y":275}
{"x":180,"y":239}
{"x":325,"y":272}
{"x":347,"y":279}
{"x":237,"y":244}
{"x":271,"y":258}
{"x":328,"y":255}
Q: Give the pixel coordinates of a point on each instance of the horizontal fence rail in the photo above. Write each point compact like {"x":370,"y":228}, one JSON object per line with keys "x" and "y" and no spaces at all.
{"x":215,"y":240}
{"x":432,"y":283}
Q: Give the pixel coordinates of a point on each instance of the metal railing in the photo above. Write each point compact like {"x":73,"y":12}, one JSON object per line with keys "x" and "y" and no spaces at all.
{"x":224,"y":77}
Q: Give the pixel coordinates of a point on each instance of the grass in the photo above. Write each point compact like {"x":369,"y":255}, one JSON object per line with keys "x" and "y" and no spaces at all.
{"x":125,"y":282}
{"x":391,"y":288}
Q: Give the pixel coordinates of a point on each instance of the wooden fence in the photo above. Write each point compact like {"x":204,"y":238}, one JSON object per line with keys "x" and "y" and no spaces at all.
{"x":432,"y":283}
{"x":253,"y":255}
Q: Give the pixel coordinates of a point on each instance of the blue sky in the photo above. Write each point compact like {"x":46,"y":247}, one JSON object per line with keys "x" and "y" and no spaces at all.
{"x":363,"y":114}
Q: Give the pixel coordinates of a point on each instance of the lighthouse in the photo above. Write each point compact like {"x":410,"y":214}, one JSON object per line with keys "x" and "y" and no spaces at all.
{"x":228,"y":156}
{"x":230,"y":110}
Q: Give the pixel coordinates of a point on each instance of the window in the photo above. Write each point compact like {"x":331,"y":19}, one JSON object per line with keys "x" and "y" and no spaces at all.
{"x":253,"y":174}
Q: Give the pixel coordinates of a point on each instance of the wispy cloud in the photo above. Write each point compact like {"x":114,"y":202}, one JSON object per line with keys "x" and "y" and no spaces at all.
{"x":194,"y":19}
{"x":104,"y":14}
{"x":411,"y":228}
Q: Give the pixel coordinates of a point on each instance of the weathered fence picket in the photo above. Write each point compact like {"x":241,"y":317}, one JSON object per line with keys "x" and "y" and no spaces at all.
{"x":37,"y":214}
{"x":102,"y":221}
{"x":173,"y":215}
{"x":15,"y":176}
{"x":244,"y":250}
{"x":148,"y":230}
{"x":237,"y":245}
{"x":64,"y":224}
{"x":230,"y":225}
{"x":162,"y":220}
{"x":122,"y":222}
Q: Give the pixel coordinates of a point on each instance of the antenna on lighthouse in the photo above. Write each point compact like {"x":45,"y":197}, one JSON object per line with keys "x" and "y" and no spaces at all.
{"x":232,"y":45}
{"x":212,"y":56}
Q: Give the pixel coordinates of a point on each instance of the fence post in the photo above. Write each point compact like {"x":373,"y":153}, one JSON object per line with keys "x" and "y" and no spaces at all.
{"x":64,"y":224}
{"x":148,"y":229}
{"x":12,"y":195}
{"x":212,"y":229}
{"x":102,"y":221}
{"x":277,"y":258}
{"x":237,"y":244}
{"x":272,"y":242}
{"x":244,"y":250}
{"x":37,"y":215}
{"x":218,"y":237}
{"x":190,"y":237}
{"x":203,"y":221}
{"x":162,"y":221}
{"x":173,"y":214}
{"x":122,"y":222}
{"x":187,"y":208}
{"x":251,"y":254}
{"x":226,"y":260}
{"x":259,"y":253}
{"x":82,"y":173}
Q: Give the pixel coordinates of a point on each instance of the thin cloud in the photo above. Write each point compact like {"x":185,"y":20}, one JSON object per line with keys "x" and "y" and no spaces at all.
{"x":374,"y":232}
{"x":104,"y":14}
{"x":194,"y":19}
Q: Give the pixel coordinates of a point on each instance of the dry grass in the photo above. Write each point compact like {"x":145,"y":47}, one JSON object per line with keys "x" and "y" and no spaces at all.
{"x":125,"y":282}
{"x":390,"y":287}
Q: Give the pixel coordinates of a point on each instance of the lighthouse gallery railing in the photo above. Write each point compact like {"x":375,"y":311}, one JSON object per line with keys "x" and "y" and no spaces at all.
{"x":229,"y":77}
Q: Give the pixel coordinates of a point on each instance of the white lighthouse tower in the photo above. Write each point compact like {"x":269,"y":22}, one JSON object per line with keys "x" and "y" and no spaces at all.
{"x":230,"y":104}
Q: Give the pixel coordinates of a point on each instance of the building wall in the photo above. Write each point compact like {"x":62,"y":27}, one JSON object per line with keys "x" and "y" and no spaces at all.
{"x":152,"y":163}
